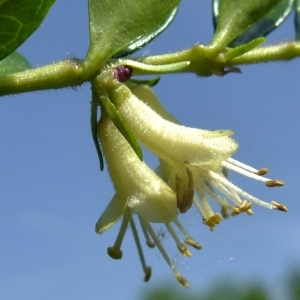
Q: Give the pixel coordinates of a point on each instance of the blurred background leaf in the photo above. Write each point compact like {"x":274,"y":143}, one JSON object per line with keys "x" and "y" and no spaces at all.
{"x":225,"y":289}
{"x":293,"y":283}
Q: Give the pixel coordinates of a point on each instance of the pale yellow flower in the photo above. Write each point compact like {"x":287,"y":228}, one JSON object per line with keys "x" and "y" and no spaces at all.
{"x":138,"y":191}
{"x":205,"y":177}
{"x":191,"y":160}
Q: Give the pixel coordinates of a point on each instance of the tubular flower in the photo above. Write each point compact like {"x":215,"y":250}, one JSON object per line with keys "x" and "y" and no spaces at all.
{"x":192,"y":161}
{"x":205,"y":178}
{"x":138,"y":191}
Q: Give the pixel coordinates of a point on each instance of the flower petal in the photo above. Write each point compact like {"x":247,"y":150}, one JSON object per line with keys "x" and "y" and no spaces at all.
{"x":170,"y":141}
{"x":112,"y":213}
{"x":147,"y":194}
{"x":159,"y":207}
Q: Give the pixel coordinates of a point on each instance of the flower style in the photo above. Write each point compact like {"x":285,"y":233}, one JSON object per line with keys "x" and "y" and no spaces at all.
{"x":190,"y":160}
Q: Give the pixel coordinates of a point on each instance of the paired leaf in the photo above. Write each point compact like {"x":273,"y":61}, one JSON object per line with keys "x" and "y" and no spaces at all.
{"x":13,"y":63}
{"x":236,"y":17}
{"x":268,"y":23}
{"x":18,"y":20}
{"x":115,"y":25}
{"x":149,"y":37}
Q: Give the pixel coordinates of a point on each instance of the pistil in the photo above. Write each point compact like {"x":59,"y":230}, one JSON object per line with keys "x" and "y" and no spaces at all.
{"x":115,"y":252}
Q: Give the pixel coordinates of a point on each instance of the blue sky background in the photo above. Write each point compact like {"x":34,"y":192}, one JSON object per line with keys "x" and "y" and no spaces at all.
{"x":52,"y":192}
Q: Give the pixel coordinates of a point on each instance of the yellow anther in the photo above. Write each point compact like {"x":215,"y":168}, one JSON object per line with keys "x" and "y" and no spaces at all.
{"x":184,"y":250}
{"x":261,"y":172}
{"x":212,"y":221}
{"x":193,"y":243}
{"x":216,"y":218}
{"x":225,"y":212}
{"x":185,"y":193}
{"x":183,"y":281}
{"x":150,"y":244}
{"x":249,"y":212}
{"x":274,"y":182}
{"x":279,"y":206}
{"x":148,"y":272}
{"x":244,"y":207}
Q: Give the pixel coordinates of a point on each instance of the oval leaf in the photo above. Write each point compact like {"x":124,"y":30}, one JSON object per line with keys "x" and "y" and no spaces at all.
{"x":270,"y":21}
{"x":149,"y":37}
{"x":236,"y":17}
{"x":114,"y":25}
{"x":18,"y":20}
{"x":13,"y":63}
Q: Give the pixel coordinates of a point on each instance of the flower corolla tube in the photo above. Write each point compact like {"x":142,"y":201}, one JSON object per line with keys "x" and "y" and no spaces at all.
{"x":193,"y":170}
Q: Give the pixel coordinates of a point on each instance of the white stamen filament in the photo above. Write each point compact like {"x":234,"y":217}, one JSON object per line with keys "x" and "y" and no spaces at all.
{"x":146,"y":234}
{"x":216,"y":197}
{"x":228,"y":184}
{"x":181,"y":247}
{"x":158,"y":244}
{"x":244,"y":172}
{"x":163,"y":252}
{"x":234,"y":197}
{"x":146,"y":269}
{"x":241,"y":165}
{"x":188,"y":239}
{"x":203,"y":200}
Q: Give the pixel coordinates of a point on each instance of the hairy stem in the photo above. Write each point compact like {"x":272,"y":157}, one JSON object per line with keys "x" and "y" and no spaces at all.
{"x":70,"y":73}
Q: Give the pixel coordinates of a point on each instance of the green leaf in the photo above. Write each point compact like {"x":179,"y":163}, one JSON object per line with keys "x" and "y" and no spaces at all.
{"x":94,"y":123}
{"x":236,"y":17}
{"x":18,"y":20}
{"x":120,"y":124}
{"x":150,"y":82}
{"x":268,"y":23}
{"x":240,"y":50}
{"x":115,"y":25}
{"x":149,"y":37}
{"x":13,"y":63}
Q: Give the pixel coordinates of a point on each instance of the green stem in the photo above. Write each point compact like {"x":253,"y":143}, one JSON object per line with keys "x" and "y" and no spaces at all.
{"x":200,"y":62}
{"x":70,"y":73}
{"x":284,"y":51}
{"x":58,"y":75}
